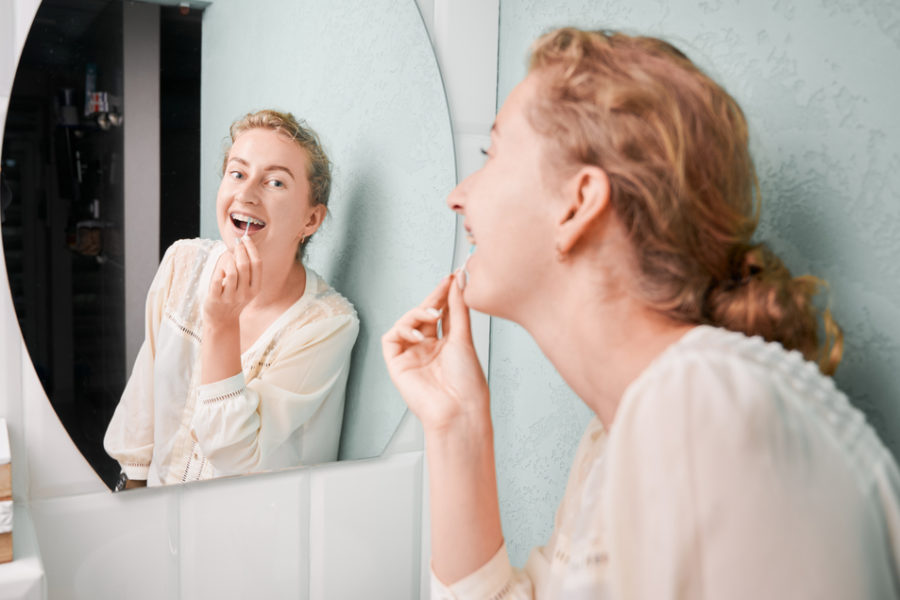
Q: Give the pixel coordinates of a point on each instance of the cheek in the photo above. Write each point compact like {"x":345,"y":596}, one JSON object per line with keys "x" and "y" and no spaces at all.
{"x":222,"y":194}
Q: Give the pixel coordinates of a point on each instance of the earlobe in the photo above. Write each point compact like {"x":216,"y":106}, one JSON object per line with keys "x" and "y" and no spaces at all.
{"x":316,"y":216}
{"x":587,"y":197}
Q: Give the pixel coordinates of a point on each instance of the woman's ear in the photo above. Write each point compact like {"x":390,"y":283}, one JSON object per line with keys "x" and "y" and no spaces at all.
{"x":314,"y":220}
{"x":586,"y":202}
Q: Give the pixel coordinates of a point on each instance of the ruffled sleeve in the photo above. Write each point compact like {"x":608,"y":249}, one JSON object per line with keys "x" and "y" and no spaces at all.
{"x":240,"y":425}
{"x":129,"y":436}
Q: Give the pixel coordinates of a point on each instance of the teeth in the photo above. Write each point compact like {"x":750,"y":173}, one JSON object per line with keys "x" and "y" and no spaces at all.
{"x":247,"y":219}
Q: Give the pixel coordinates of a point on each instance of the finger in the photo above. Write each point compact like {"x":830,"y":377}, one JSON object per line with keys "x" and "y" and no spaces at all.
{"x":421,"y":319}
{"x":242,"y":264}
{"x":437,"y":299}
{"x":426,"y":320}
{"x":255,"y":263}
{"x":215,"y":283}
{"x":456,"y":324}
{"x":410,"y":335}
{"x":230,"y":279}
{"x":392,"y":346}
{"x":408,"y":330}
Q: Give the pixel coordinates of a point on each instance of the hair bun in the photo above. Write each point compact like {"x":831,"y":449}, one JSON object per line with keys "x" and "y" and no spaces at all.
{"x":762,"y":298}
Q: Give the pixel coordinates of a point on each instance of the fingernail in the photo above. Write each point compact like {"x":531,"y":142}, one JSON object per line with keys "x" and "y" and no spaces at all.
{"x":238,"y":240}
{"x":461,"y":278}
{"x":433,"y":312}
{"x":418,"y":334}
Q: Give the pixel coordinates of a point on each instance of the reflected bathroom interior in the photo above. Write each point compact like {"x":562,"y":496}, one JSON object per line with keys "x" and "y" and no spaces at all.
{"x":63,"y":206}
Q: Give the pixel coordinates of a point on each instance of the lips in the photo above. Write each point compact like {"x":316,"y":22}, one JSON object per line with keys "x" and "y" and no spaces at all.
{"x":246,"y":222}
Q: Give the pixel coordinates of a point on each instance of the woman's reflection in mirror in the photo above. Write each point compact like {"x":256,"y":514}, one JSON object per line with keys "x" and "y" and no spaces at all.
{"x":246,"y":355}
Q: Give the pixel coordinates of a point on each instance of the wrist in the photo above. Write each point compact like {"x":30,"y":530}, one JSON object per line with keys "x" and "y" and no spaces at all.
{"x":219,"y":328}
{"x":465,"y":439}
{"x":463,"y":428}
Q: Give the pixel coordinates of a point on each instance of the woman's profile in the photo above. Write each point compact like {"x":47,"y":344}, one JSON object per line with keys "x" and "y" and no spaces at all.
{"x":246,"y":353}
{"x":613,"y":220}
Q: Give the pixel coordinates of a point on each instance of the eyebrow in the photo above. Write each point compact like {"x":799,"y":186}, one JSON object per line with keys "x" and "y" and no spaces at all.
{"x":240,"y":160}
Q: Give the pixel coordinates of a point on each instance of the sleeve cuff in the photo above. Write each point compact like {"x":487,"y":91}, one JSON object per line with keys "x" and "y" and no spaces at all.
{"x":136,"y":472}
{"x":211,"y":393}
{"x":488,"y":581}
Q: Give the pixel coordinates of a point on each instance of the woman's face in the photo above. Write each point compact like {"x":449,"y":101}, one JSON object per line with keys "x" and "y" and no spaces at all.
{"x":265,"y":192}
{"x":508,"y":212}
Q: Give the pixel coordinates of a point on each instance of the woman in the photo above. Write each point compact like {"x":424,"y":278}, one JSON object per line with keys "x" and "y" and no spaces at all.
{"x":612,"y":220}
{"x":247,"y":351}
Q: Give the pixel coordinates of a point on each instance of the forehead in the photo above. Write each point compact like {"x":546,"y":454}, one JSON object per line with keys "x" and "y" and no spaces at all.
{"x":263,"y":145}
{"x":512,"y":118}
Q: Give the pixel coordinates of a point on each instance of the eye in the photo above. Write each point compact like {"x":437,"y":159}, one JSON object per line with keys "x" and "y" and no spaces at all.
{"x":276,"y":183}
{"x":236,"y":174}
{"x":483,"y":151}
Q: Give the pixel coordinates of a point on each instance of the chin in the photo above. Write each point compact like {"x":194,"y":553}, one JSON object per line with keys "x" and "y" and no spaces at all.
{"x":479,"y":301}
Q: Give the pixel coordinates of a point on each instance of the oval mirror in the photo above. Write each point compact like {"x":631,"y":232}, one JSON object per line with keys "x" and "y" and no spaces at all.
{"x":112,"y":150}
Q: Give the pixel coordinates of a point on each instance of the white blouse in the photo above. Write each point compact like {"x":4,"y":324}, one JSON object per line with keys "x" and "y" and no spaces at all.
{"x":284,"y":409}
{"x":734,"y":469}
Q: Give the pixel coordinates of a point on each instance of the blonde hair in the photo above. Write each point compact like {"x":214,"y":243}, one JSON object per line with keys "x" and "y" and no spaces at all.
{"x":319,"y":169}
{"x":674,"y":146}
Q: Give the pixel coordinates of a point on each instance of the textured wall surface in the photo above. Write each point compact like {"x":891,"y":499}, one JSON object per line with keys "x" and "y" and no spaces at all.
{"x":817,"y":79}
{"x":364,"y":76}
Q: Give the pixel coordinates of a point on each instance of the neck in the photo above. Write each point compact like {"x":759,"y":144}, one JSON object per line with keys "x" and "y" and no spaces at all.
{"x":599,"y":343}
{"x":283,"y":282}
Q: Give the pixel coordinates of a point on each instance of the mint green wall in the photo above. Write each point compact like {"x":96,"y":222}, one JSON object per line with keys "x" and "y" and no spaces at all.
{"x":365,"y":78}
{"x":818,"y":81}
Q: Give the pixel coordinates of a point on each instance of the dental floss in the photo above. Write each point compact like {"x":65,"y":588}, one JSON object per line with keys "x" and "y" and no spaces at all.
{"x":468,"y":256}
{"x":463,"y":270}
{"x":238,"y":241}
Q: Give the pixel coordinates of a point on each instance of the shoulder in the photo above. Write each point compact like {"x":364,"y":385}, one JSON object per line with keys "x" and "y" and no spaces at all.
{"x":720,"y":399}
{"x":726,"y":372}
{"x":326,"y":301}
{"x":321,"y":315}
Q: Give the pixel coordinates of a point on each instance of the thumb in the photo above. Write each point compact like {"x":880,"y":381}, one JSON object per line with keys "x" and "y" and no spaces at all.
{"x":458,"y":310}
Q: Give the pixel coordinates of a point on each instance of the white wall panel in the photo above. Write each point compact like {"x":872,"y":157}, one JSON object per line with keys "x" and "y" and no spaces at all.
{"x":140,"y":49}
{"x":24,"y":14}
{"x":465,"y":39}
{"x":246,"y":537}
{"x":7,"y":47}
{"x":109,"y":546}
{"x":364,"y":533}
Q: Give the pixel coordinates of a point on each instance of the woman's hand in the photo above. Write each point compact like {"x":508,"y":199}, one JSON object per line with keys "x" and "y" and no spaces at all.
{"x":439,"y":377}
{"x":235,"y":282}
{"x":442,"y":382}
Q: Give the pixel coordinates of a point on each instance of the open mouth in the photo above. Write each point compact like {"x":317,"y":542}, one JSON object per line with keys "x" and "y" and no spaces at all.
{"x":246,"y":222}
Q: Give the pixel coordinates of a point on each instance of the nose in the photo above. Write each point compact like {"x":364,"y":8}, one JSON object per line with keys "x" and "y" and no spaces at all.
{"x":456,"y":200}
{"x":246,"y":194}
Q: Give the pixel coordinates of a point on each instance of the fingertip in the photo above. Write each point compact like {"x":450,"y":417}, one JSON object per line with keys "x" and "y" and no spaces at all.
{"x":456,"y":299}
